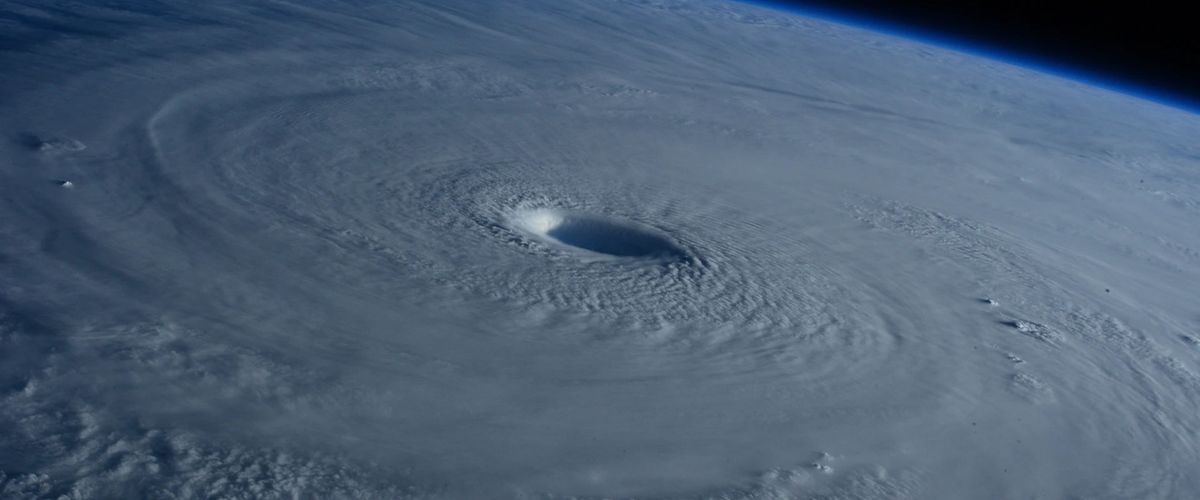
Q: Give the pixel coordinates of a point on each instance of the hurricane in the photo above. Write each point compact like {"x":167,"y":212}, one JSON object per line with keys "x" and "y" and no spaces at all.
{"x":580,"y":249}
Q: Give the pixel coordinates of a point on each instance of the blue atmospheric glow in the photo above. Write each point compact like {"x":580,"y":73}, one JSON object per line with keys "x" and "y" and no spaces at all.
{"x":986,"y":51}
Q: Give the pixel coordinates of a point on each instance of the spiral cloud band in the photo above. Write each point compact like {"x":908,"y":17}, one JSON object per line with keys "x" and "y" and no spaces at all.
{"x":572,"y":249}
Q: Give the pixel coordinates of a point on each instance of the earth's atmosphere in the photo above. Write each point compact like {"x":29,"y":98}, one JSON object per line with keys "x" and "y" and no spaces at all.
{"x":558,"y":248}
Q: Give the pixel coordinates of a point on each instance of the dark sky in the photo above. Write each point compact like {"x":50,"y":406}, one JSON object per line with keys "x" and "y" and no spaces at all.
{"x":1146,"y":47}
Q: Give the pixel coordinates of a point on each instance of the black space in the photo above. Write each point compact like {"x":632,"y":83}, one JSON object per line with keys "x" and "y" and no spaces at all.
{"x":1150,"y":48}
